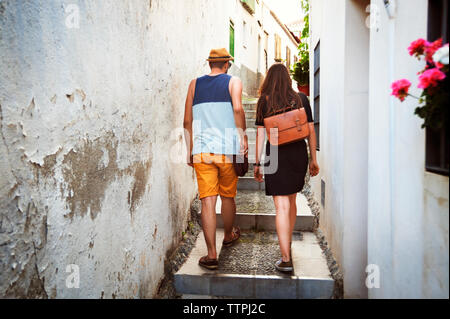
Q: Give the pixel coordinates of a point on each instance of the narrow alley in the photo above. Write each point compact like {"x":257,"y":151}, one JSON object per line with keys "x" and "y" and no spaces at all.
{"x":97,"y":197}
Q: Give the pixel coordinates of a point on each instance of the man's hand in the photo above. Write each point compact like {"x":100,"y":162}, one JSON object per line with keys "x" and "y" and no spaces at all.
{"x":244,"y":145}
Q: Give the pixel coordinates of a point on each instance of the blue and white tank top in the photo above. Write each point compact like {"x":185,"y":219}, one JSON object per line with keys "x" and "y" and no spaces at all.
{"x":214,"y":128}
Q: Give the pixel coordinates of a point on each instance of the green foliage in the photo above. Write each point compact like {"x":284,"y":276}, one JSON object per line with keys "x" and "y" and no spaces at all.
{"x":300,"y":70}
{"x":434,"y":111}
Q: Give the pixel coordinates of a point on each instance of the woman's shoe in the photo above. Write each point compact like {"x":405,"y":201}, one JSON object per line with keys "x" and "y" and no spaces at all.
{"x":284,"y":266}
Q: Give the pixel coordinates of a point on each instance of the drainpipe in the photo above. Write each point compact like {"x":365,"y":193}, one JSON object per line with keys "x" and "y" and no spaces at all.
{"x":391,"y":11}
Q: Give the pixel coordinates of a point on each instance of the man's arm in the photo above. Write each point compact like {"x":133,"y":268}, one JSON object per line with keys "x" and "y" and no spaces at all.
{"x":239,"y":114}
{"x":187,"y":123}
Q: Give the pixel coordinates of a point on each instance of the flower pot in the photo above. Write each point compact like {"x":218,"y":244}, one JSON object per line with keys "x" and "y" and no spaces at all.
{"x":304,"y":89}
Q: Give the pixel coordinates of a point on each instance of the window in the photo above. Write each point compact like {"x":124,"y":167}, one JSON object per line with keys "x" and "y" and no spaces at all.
{"x":317,"y":93}
{"x":437,"y":142}
{"x":266,"y":43}
{"x":288,"y":57}
{"x":231,"y":38}
{"x":277,"y":48}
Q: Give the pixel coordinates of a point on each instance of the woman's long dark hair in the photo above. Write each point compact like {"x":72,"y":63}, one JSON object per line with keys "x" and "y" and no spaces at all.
{"x":276,"y":91}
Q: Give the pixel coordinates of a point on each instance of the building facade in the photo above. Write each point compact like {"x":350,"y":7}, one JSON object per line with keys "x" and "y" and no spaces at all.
{"x":384,"y":202}
{"x":258,"y":38}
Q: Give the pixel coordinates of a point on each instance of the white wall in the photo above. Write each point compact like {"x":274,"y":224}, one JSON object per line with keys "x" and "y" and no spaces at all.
{"x":408,"y":235}
{"x":381,"y":207}
{"x":344,"y":42}
{"x":86,"y":117}
{"x":355,"y":148}
{"x":331,"y":117}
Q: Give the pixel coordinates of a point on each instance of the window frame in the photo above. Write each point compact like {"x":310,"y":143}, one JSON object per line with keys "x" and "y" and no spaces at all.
{"x":288,"y":57}
{"x":232,"y":38}
{"x":277,"y":43}
{"x":316,"y":93}
{"x":437,"y":141}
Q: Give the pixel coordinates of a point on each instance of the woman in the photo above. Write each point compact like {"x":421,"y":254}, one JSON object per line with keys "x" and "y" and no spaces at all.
{"x":287,"y":180}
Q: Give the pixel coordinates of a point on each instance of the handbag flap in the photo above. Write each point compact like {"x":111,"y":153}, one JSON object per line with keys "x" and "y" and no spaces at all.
{"x":286,"y":120}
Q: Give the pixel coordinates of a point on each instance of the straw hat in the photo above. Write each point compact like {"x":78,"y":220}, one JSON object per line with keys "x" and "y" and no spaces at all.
{"x":219,"y":55}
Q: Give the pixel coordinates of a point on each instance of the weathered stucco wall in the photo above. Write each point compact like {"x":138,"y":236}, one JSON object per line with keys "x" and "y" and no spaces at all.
{"x":87,"y":119}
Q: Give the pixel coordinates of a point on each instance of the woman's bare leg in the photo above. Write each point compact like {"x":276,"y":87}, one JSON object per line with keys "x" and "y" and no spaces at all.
{"x":292,"y":212}
{"x":282,"y":207}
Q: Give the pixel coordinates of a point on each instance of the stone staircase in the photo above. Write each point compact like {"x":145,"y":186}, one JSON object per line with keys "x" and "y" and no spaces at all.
{"x":246,"y":270}
{"x":247,"y":182}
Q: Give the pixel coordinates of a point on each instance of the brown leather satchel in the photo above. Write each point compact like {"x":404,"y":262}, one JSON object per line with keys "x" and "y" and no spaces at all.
{"x":287,"y":127}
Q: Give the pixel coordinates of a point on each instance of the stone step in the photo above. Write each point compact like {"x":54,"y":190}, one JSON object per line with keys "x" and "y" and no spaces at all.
{"x":250,"y":114}
{"x":255,"y":210}
{"x":250,"y":123}
{"x":263,"y":222}
{"x":246,"y":270}
{"x":249,"y":183}
{"x":249,"y":106}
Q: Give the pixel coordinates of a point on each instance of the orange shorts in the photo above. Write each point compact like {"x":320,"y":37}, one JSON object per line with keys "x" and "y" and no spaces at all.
{"x":215,"y":175}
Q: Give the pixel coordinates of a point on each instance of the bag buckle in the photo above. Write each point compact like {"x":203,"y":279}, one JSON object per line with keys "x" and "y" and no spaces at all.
{"x":299,"y":127}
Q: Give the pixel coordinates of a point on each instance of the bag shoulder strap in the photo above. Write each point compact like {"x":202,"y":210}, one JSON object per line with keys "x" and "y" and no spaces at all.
{"x":283,"y":110}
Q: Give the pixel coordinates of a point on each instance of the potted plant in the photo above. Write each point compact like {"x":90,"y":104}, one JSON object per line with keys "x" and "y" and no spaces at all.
{"x":300,"y":73}
{"x":300,"y":70}
{"x":433,"y":80}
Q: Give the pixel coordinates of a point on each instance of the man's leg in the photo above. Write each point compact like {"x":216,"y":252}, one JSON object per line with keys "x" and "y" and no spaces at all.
{"x":227,"y":190}
{"x":208,"y":187}
{"x":209,"y":224}
{"x":228,"y":212}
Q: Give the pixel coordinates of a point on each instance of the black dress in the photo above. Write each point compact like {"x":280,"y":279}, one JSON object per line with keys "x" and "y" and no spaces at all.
{"x":289,"y":177}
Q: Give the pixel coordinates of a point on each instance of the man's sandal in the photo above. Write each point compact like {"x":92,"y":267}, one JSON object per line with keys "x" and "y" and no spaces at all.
{"x":235,"y":235}
{"x":210,"y":264}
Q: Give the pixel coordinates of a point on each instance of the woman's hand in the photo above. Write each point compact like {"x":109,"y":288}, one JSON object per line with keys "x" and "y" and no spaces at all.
{"x":257,"y":174}
{"x":313,"y":168}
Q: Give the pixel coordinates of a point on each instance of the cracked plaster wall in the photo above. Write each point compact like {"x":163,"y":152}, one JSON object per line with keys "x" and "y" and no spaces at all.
{"x":87,"y":119}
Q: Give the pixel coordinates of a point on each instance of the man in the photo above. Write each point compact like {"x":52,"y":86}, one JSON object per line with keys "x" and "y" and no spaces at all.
{"x":214,"y":108}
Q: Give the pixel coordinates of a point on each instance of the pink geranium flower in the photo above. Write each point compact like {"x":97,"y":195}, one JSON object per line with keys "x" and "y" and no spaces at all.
{"x":431,"y":49}
{"x":418,"y":47}
{"x":400,"y":89}
{"x":430,"y":78}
